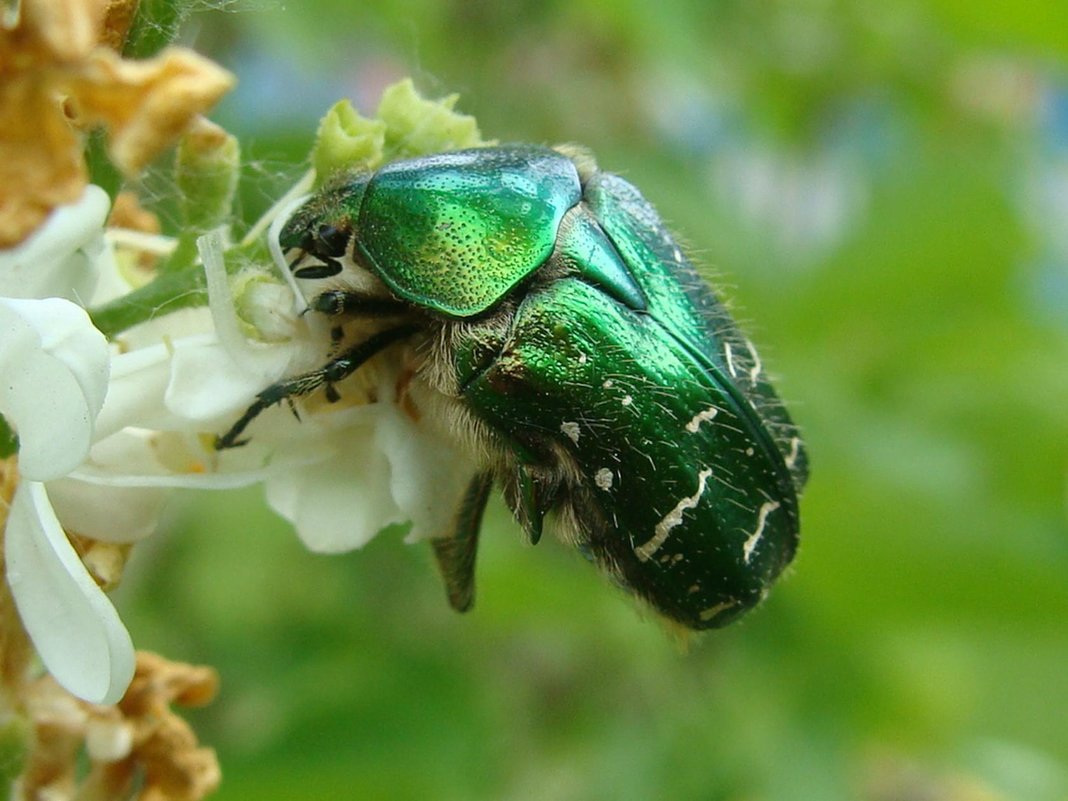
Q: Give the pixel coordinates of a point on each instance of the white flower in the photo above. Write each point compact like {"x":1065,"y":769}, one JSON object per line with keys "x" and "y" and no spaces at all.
{"x":55,"y":366}
{"x":55,"y":369}
{"x":369,"y":467}
{"x":72,"y":624}
{"x":104,"y":437}
{"x":59,"y":259}
{"x":83,"y":465}
{"x":343,"y":474}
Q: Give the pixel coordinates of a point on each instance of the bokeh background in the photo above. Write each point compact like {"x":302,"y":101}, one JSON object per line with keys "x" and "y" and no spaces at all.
{"x":882,"y":188}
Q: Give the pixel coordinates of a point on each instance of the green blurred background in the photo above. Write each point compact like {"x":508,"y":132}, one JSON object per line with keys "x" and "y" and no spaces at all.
{"x":882,"y":187}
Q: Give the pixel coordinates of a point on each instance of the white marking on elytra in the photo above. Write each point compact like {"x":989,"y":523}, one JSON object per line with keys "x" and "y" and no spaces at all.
{"x":795,"y":449}
{"x":603,"y":478}
{"x":753,"y":539}
{"x":583,"y":358}
{"x":677,"y":254}
{"x":672,"y":519}
{"x":571,"y":430}
{"x":755,"y":370}
{"x":749,"y":451}
{"x":701,"y":417}
{"x":712,"y":611}
{"x":608,"y":383}
{"x":627,"y":400}
{"x":730,"y":359}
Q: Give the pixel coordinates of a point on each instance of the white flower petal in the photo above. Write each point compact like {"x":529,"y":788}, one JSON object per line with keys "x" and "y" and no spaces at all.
{"x":72,"y":624}
{"x":277,"y":224}
{"x":139,"y":379}
{"x":188,"y":383}
{"x":136,"y":458}
{"x":111,"y":281}
{"x":428,"y":476}
{"x":58,"y":259}
{"x":167,"y":328}
{"x":108,"y":514}
{"x":220,"y":299}
{"x":54,"y":365}
{"x":69,"y":335}
{"x":206,"y":383}
{"x":342,"y":502}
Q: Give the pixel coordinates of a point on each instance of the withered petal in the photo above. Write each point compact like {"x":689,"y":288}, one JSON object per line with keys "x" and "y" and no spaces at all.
{"x":68,"y":28}
{"x":145,"y":104}
{"x":41,"y":164}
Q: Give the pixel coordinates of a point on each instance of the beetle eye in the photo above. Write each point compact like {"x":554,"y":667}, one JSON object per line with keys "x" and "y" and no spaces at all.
{"x":331,"y":241}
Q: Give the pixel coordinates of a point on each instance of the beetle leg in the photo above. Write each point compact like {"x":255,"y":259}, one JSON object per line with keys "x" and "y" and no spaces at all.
{"x":531,"y":505}
{"x":330,"y":373}
{"x":456,"y":553}
{"x":327,"y":269}
{"x":335,"y":302}
{"x":338,"y":302}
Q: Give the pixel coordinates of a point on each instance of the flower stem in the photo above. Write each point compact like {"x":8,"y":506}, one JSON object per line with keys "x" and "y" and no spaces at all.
{"x":16,"y":654}
{"x":9,"y":442}
{"x":166,"y":293}
{"x":155,"y":26}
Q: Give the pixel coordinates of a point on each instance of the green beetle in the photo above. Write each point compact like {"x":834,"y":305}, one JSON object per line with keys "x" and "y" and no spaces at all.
{"x":571,"y":344}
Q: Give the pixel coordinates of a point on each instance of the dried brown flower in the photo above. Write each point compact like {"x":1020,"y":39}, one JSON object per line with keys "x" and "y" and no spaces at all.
{"x":59,"y":79}
{"x":127,"y":212}
{"x":16,"y":653}
{"x":138,"y":737}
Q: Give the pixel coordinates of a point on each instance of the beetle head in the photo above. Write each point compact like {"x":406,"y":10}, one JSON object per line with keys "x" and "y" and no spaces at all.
{"x":323,"y":228}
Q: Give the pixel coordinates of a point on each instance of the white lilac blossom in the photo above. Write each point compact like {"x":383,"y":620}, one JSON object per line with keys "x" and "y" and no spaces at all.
{"x":55,"y":368}
{"x":343,"y":474}
{"x":60,"y":259}
{"x":103,"y":466}
{"x":368,"y":467}
{"x":87,"y":465}
{"x":106,"y":482}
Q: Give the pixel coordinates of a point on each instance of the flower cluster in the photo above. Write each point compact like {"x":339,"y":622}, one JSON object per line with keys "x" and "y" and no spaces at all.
{"x":138,"y":742}
{"x":108,"y":426}
{"x":124,"y":353}
{"x":60,"y":76}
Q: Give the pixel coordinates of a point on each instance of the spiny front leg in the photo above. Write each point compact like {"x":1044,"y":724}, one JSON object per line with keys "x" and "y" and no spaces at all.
{"x":344,"y":303}
{"x":329,"y":374}
{"x":338,"y":302}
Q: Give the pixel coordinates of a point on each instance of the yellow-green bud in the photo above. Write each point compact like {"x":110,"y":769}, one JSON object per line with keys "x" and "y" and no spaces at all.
{"x":416,"y":126}
{"x":406,"y":125}
{"x":347,"y":141}
{"x":206,"y":169}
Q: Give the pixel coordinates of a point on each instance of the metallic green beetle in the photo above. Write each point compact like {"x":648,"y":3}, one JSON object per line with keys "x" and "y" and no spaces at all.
{"x":568,"y":340}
